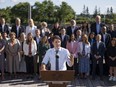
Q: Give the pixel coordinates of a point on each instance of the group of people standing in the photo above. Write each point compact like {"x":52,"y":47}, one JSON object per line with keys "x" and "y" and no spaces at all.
{"x":80,"y":48}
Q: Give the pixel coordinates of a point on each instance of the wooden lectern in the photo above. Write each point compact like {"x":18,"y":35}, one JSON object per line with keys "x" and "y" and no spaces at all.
{"x":57,"y":78}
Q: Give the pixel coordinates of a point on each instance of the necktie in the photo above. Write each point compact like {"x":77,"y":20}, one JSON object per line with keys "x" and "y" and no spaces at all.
{"x":83,"y":52}
{"x":57,"y":60}
{"x":30,"y":49}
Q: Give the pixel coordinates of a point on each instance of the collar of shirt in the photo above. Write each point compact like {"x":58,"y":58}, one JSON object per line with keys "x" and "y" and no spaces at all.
{"x":3,"y":25}
{"x":18,"y":27}
{"x":98,"y":42}
{"x":59,"y":49}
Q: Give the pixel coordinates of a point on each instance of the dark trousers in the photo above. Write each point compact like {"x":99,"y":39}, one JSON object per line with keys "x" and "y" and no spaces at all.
{"x":75,"y":66}
{"x":94,"y":65}
{"x":106,"y":66}
{"x":29,"y":64}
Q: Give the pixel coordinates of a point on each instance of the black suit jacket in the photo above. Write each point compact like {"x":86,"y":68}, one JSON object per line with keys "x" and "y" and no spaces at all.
{"x":14,"y":29}
{"x":69,"y":30}
{"x":112,"y":33}
{"x":64,"y":42}
{"x":6,"y":29}
{"x":107,"y":39}
{"x":98,"y":51}
{"x":93,"y":27}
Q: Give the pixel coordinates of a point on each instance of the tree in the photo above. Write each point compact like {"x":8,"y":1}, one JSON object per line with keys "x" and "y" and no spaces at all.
{"x":20,"y":10}
{"x":99,"y":12}
{"x":111,"y":10}
{"x":84,"y":10}
{"x":95,"y":12}
{"x":87,"y":11}
{"x":108,"y":11}
{"x":6,"y":13}
{"x":66,"y":12}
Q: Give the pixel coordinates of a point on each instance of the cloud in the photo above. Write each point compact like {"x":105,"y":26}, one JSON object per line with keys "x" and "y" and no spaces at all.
{"x":14,"y":0}
{"x":2,"y":0}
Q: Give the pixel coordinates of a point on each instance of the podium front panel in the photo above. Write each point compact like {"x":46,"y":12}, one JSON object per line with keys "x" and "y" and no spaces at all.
{"x":57,"y":75}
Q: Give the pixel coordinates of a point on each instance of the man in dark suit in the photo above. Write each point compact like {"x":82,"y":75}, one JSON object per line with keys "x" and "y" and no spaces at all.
{"x":96,"y":27}
{"x":64,"y":37}
{"x":112,"y":31}
{"x":18,"y":28}
{"x":97,"y":50}
{"x":106,"y":38}
{"x":37,"y":38}
{"x":3,"y":27}
{"x":72,"y":28}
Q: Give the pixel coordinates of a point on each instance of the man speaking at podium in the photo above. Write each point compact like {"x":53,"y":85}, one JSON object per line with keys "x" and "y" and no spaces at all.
{"x":57,"y":56}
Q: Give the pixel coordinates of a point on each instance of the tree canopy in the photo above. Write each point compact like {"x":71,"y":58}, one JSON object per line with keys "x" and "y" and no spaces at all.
{"x":49,"y":12}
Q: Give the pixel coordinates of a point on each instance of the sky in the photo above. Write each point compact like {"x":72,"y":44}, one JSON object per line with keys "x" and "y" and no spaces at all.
{"x":77,"y":5}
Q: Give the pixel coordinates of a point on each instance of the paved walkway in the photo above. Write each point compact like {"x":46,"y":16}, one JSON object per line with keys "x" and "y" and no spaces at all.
{"x":21,"y":81}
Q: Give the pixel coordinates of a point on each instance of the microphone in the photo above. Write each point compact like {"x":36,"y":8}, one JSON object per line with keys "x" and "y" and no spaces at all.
{"x":57,"y":56}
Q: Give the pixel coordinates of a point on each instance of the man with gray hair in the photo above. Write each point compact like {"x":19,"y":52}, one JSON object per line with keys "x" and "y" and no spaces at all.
{"x":17,"y":28}
{"x":96,"y":26}
{"x":72,"y":28}
{"x":97,"y":51}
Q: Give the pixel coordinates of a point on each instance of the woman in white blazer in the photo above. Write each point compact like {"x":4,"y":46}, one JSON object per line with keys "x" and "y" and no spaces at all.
{"x":84,"y":56}
{"x":31,"y":28}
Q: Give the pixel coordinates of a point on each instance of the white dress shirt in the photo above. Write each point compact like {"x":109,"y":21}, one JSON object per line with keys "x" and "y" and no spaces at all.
{"x":104,"y":37}
{"x":3,"y":28}
{"x":63,"y":37}
{"x":38,"y":39}
{"x":26,"y":48}
{"x":73,"y":29}
{"x":64,"y":56}
{"x":98,"y":44}
{"x":18,"y":31}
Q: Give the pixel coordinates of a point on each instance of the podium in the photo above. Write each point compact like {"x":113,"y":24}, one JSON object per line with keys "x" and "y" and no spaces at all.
{"x":57,"y":78}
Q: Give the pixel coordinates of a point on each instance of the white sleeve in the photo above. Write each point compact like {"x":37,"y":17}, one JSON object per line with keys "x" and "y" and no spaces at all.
{"x":35,"y":47}
{"x":46,"y":57}
{"x":24,"y":48}
{"x":26,"y":31}
{"x":68,"y":58}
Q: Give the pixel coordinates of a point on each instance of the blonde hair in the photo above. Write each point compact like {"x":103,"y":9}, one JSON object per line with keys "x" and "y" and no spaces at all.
{"x":32,"y":22}
{"x":1,"y":36}
{"x":27,"y":39}
{"x":44,"y":24}
{"x":43,"y":39}
{"x":86,"y":38}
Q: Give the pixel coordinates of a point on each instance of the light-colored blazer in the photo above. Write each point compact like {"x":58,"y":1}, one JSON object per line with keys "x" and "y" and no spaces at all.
{"x":72,"y":49}
{"x":31,"y":30}
{"x":87,"y":48}
{"x":33,"y":49}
